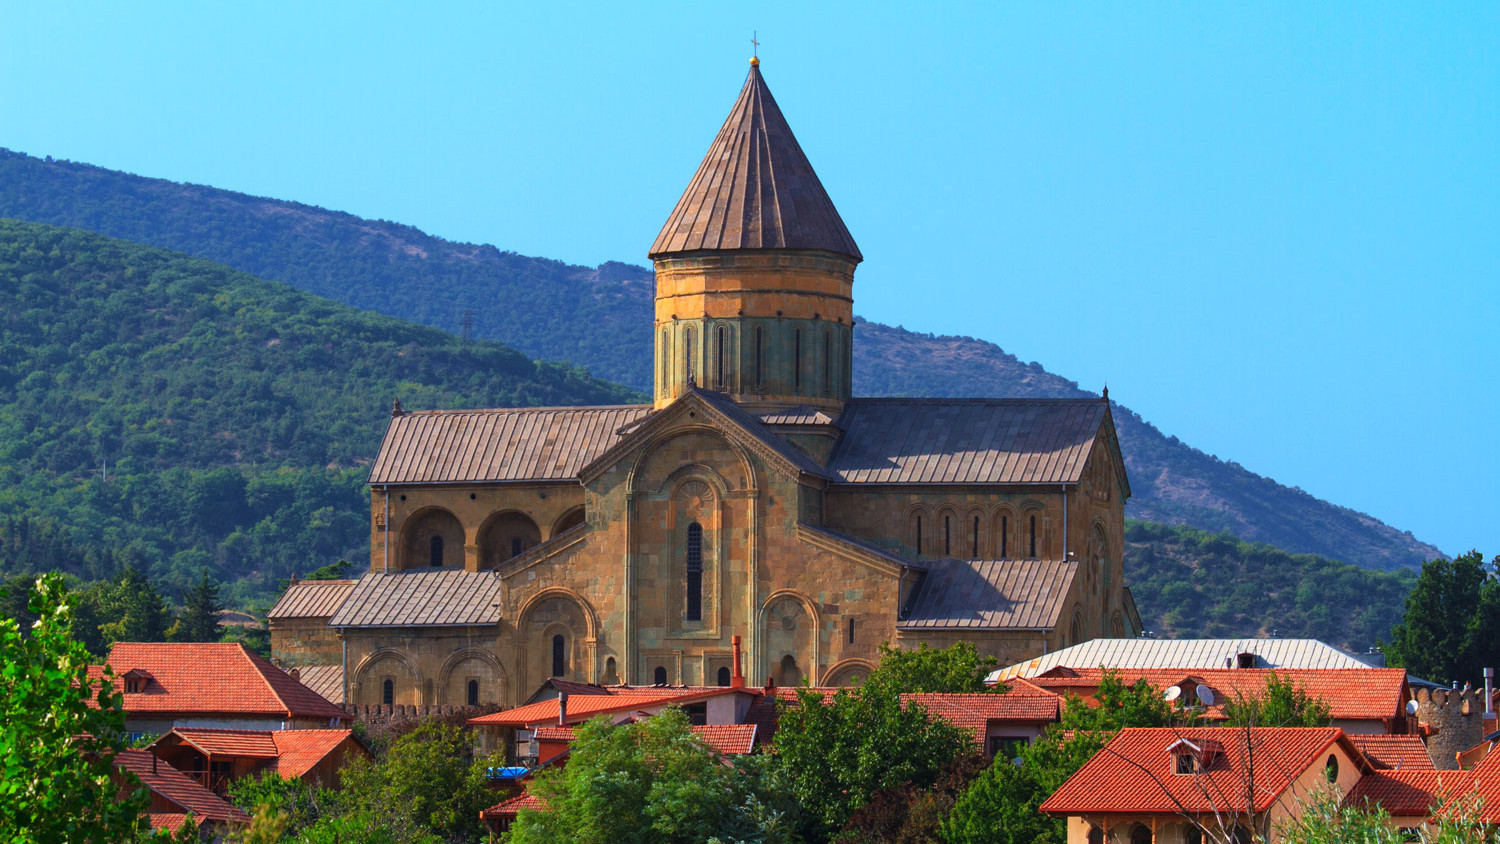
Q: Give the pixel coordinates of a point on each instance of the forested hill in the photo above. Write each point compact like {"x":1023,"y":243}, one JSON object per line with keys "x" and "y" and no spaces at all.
{"x":600,"y":318}
{"x":173,"y":413}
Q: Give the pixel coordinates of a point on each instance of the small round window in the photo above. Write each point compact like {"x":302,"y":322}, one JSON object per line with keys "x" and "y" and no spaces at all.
{"x":1331,"y":770}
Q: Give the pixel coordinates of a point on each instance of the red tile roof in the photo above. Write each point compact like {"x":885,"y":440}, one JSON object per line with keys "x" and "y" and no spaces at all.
{"x":512,"y":807}
{"x":1407,"y":793}
{"x":214,"y":678}
{"x":170,"y":821}
{"x":1351,"y":693}
{"x":1134,"y":772}
{"x":178,"y":788}
{"x":584,"y":707}
{"x":728,"y":739}
{"x":1402,"y":753}
{"x":974,"y":712}
{"x":295,"y":751}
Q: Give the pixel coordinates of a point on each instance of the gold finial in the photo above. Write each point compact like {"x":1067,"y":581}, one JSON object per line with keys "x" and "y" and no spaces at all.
{"x":754,"y":62}
{"x":754,"y":50}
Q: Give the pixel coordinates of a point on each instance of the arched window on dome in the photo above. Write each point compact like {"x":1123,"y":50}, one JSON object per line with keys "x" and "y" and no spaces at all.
{"x":666,"y":362}
{"x":797,"y":360}
{"x":687,"y":356}
{"x":828,"y":362}
{"x":694,"y":572}
{"x":759,"y":357}
{"x":721,"y":347}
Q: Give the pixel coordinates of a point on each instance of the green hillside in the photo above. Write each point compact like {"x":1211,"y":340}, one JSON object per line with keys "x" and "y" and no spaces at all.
{"x":174,"y":413}
{"x":600,"y":318}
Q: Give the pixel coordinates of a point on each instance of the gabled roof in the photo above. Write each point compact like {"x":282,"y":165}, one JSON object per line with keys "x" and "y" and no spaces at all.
{"x":755,"y":189}
{"x":503,"y":444}
{"x":312,"y":599}
{"x":990,"y":594}
{"x":973,"y":713}
{"x":1353,"y":694}
{"x":735,"y":422}
{"x":583,"y":707}
{"x":1400,"y":753}
{"x":1134,"y":772}
{"x":1408,"y":793}
{"x":292,"y":752}
{"x":969,"y":441}
{"x":178,"y":789}
{"x":1184,"y":653}
{"x":326,"y":680}
{"x":422,"y":598}
{"x":214,"y":678}
{"x":725,"y":739}
{"x":512,"y":807}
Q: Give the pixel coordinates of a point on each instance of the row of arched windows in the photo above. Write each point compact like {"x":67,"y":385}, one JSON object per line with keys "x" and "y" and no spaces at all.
{"x":725,"y":356}
{"x":957,"y":536}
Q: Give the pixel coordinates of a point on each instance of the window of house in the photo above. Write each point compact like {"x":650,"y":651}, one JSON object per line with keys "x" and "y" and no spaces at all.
{"x":1140,"y":834}
{"x":1245,"y":660}
{"x":435,"y":551}
{"x":697,"y":713}
{"x":660,"y":675}
{"x":1331,"y":770}
{"x":559,"y":656}
{"x":473,"y":693}
{"x":695,"y":572}
{"x":1184,"y":763}
{"x":1192,"y":835}
{"x":666,"y":361}
{"x":1096,"y":835}
{"x":723,"y":675}
{"x":388,"y":692}
{"x":1005,"y":747}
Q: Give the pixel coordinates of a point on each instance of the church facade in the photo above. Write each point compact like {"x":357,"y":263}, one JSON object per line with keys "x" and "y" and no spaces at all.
{"x":753,"y":498}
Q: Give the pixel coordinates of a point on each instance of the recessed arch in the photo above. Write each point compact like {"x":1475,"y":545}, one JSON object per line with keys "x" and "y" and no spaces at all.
{"x":505,"y":534}
{"x":567,"y":521}
{"x":847,"y":672}
{"x":789,"y":623}
{"x":431,"y":534}
{"x":453,"y":682}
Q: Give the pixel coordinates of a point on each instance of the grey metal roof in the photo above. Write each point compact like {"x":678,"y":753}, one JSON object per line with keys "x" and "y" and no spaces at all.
{"x":753,"y":426}
{"x":1185,"y":653}
{"x":521,"y":444}
{"x":326,"y":680}
{"x":755,"y":189}
{"x":988,"y":594}
{"x":422,"y":598}
{"x":966,"y":441}
{"x":312,"y":599}
{"x":800,"y":415}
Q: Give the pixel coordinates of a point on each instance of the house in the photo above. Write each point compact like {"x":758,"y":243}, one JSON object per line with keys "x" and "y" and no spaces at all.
{"x":212,"y":685}
{"x":1361,"y":700}
{"x":175,"y":795}
{"x":1168,"y":785}
{"x":1000,"y":724}
{"x":216,"y":757}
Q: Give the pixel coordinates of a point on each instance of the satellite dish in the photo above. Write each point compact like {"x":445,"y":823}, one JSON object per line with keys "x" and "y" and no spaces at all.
{"x":1172,"y":693}
{"x":1205,"y":695}
{"x":1411,"y":707}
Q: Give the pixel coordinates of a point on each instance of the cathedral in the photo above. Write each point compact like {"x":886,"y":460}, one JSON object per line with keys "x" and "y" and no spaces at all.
{"x":755,"y":508}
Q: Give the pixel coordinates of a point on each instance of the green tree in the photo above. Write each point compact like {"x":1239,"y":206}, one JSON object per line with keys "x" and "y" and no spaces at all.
{"x":652,"y":781}
{"x":1282,"y":704}
{"x":61,"y":733}
{"x":1001,"y":805}
{"x":959,"y":668}
{"x":1447,"y":631}
{"x":136,"y":612}
{"x":199,"y":621}
{"x":294,"y":799}
{"x":428,"y":784}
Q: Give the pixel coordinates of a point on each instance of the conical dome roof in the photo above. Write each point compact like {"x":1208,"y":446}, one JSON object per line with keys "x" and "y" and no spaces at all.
{"x":755,"y":189}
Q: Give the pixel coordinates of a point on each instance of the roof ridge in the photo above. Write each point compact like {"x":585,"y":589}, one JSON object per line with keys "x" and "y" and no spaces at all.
{"x":255,"y":661}
{"x":549,"y":408}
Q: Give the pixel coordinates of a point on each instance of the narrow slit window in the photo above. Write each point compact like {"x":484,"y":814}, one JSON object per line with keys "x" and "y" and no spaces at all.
{"x":1004,"y":537}
{"x":666,"y":361}
{"x":517,"y":545}
{"x":827,"y":363}
{"x":473,"y":693}
{"x":1032,"y":551}
{"x":388,"y":692}
{"x":759,"y":344}
{"x":797,"y":361}
{"x":851,"y":631}
{"x":919,"y":535}
{"x":721,"y":378}
{"x":948,"y":535}
{"x":974,"y":552}
{"x":687,"y":356}
{"x":695,"y":572}
{"x":559,"y":656}
{"x":435,"y":551}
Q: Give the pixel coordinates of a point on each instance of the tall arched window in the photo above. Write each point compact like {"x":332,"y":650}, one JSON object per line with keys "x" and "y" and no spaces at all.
{"x":948,"y":536}
{"x":851,"y":631}
{"x":473,"y":692}
{"x":828,"y":362}
{"x":388,"y":692}
{"x":435,"y":551}
{"x":919,"y":536}
{"x":797,"y":360}
{"x":759,"y":344}
{"x":666,"y":361}
{"x":659,"y":676}
{"x":1032,"y":552}
{"x":723,"y":675}
{"x":1004,"y":537}
{"x":559,"y":656}
{"x":517,"y":545}
{"x":687,"y":356}
{"x":721,"y":375}
{"x":974,"y":552}
{"x":695,"y":572}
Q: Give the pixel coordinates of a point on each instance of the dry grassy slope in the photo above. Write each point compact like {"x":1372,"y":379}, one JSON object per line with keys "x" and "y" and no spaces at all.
{"x":600,"y":318}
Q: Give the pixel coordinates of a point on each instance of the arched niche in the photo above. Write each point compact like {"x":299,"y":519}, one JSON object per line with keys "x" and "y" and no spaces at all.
{"x":382,"y":666}
{"x":472,"y":665}
{"x":551,"y":614}
{"x":849,"y":672}
{"x":567,"y":521}
{"x":789,"y":629}
{"x":432,"y":536}
{"x":504,"y":535}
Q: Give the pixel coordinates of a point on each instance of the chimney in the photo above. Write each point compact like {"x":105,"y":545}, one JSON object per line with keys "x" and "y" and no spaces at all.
{"x":737,"y":681}
{"x":562,"y":709}
{"x":1489,"y":682}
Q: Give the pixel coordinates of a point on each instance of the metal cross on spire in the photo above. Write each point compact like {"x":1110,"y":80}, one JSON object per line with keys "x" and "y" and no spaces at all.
{"x":754,"y":44}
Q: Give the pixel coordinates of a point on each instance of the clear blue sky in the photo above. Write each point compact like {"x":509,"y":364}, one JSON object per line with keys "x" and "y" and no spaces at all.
{"x":1273,"y":229}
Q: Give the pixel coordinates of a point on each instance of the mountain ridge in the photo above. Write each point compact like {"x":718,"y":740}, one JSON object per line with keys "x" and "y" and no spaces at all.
{"x":600,"y":318}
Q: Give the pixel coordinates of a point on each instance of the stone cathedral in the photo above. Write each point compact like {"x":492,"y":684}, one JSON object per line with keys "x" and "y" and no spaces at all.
{"x":754,"y":497}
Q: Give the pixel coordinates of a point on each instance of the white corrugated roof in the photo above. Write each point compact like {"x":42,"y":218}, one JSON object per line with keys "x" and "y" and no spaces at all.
{"x":1184,"y":653}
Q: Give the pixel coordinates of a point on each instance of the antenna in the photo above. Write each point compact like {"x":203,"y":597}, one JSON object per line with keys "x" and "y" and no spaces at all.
{"x":1205,"y":695}
{"x":1172,"y":693}
{"x":1411,"y":707}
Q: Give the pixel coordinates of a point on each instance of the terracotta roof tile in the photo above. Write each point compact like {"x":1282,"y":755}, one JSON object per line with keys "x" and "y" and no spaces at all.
{"x":178,"y":788}
{"x":295,"y":752}
{"x":755,"y":189}
{"x":169,"y":821}
{"x":973,"y":713}
{"x":1402,"y":753}
{"x":584,"y":707}
{"x":512,"y":807}
{"x":727,"y":739}
{"x":1351,"y":693}
{"x":1408,"y":792}
{"x":1134,"y":772}
{"x":503,"y":444}
{"x":312,"y":599}
{"x":252,"y":743}
{"x":214,"y":678}
{"x":300,"y":751}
